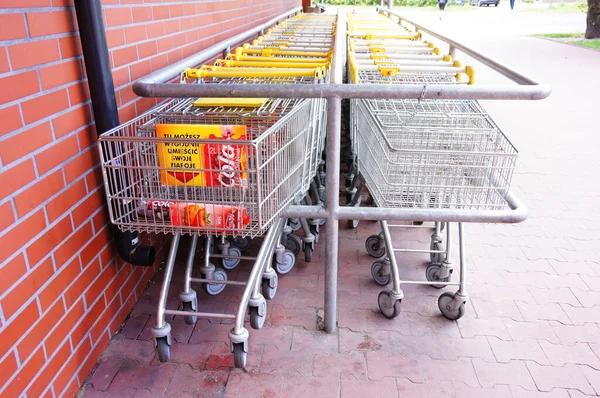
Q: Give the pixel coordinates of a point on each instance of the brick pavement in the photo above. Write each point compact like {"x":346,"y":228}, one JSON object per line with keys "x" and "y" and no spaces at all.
{"x":531,"y":327}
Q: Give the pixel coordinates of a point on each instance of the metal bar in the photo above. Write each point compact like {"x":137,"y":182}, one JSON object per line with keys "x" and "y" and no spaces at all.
{"x":164,"y":289}
{"x":503,"y":69}
{"x":334,"y":134}
{"x":378,"y":91}
{"x":168,"y":73}
{"x":203,"y":280}
{"x":214,"y":255}
{"x":190,"y":264}
{"x":200,"y":314}
{"x":419,"y":251}
{"x":266,"y":250}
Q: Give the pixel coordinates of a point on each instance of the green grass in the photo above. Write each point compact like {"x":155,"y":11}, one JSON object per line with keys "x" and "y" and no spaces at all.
{"x":559,"y":7}
{"x":592,"y":43}
{"x":561,"y":35}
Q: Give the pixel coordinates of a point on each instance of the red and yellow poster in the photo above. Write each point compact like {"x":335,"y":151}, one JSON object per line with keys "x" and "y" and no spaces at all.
{"x":182,"y":162}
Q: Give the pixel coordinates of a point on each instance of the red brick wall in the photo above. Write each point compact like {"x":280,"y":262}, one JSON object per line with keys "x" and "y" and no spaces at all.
{"x":63,"y":292}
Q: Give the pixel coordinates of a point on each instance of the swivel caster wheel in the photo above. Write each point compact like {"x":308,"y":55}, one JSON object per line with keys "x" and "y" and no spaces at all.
{"x":287,"y":262}
{"x":433,"y":275}
{"x":293,"y":243}
{"x":269,"y":287}
{"x":231,"y":263}
{"x":295,"y":224}
{"x":214,"y":288}
{"x":243,"y":243}
{"x":188,"y":319}
{"x":389,"y":306}
{"x":163,"y":351}
{"x":376,"y":272}
{"x":375,"y":246}
{"x":308,"y":252}
{"x":436,"y":258}
{"x":258,"y":315}
{"x":448,"y":308}
{"x":239,"y":355}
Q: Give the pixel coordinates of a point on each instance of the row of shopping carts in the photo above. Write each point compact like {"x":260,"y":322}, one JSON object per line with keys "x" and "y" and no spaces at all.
{"x":224,"y":169}
{"x":419,"y":154}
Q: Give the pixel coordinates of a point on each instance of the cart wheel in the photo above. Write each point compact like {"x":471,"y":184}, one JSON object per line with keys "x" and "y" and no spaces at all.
{"x":215,"y":288}
{"x":375,"y":246}
{"x":269,"y":287}
{"x":445,"y":304}
{"x":436,"y":258}
{"x":189,"y":319}
{"x":231,"y":263}
{"x":417,"y":222}
{"x":293,"y":244}
{"x":239,"y":355}
{"x":243,"y":243}
{"x":295,"y":224}
{"x":352,"y":224}
{"x":162,"y":349}
{"x":378,"y":277}
{"x":348,"y":180}
{"x":256,"y":319}
{"x":432,"y":274}
{"x":308,"y":252}
{"x":288,"y":260}
{"x":389,"y":308}
{"x":322,"y":221}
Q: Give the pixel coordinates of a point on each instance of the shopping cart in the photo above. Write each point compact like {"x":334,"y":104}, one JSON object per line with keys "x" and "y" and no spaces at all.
{"x":172,"y":171}
{"x":426,"y":154}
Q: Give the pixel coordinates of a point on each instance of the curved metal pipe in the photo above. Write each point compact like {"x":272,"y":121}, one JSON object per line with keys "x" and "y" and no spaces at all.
{"x":142,"y":87}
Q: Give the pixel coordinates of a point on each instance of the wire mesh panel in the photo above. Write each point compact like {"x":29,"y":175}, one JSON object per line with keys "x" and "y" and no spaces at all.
{"x":425,"y":167}
{"x":183,"y":182}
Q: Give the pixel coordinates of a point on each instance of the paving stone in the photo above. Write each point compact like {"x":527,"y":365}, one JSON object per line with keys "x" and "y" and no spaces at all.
{"x":105,"y":373}
{"x":306,"y":317}
{"x":351,"y":341}
{"x":519,"y":392}
{"x":512,"y":373}
{"x":592,"y":282}
{"x":314,"y":341}
{"x":309,"y":283}
{"x":408,"y":389}
{"x":580,"y":316}
{"x":564,"y":268}
{"x":154,"y":378}
{"x":547,"y":312}
{"x":507,"y":293}
{"x":476,"y":347}
{"x":281,"y":337}
{"x":374,"y":321}
{"x":299,"y":362}
{"x":242,"y":384}
{"x":335,"y":364}
{"x":579,"y":353}
{"x":585,"y":298}
{"x":431,"y":325}
{"x":561,"y":295}
{"x":569,"y":376}
{"x":209,"y":332}
{"x":352,"y":388}
{"x":435,"y":371}
{"x":303,"y":299}
{"x":569,"y":280}
{"x":206,"y":383}
{"x":222,"y":357}
{"x":382,"y":364}
{"x":134,"y":325}
{"x":194,"y":355}
{"x":464,"y":391}
{"x":351,"y":318}
{"x":296,"y":386}
{"x":504,"y":309}
{"x":571,"y":334}
{"x":121,"y":348}
{"x":541,"y":330}
{"x":506,"y":351}
{"x":89,"y":392}
{"x":471,"y":327}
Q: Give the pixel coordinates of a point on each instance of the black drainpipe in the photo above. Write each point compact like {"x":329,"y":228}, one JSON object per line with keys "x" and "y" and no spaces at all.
{"x":102,"y":92}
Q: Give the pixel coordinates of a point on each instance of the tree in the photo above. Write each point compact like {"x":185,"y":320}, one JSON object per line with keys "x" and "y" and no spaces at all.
{"x":593,"y":20}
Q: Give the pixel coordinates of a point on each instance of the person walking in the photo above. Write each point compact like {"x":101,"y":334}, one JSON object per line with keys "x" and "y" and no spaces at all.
{"x":442,"y":5}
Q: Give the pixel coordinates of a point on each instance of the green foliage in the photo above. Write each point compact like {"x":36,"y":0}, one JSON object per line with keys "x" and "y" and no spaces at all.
{"x":592,"y":43}
{"x":401,"y":3}
{"x":560,"y":35}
